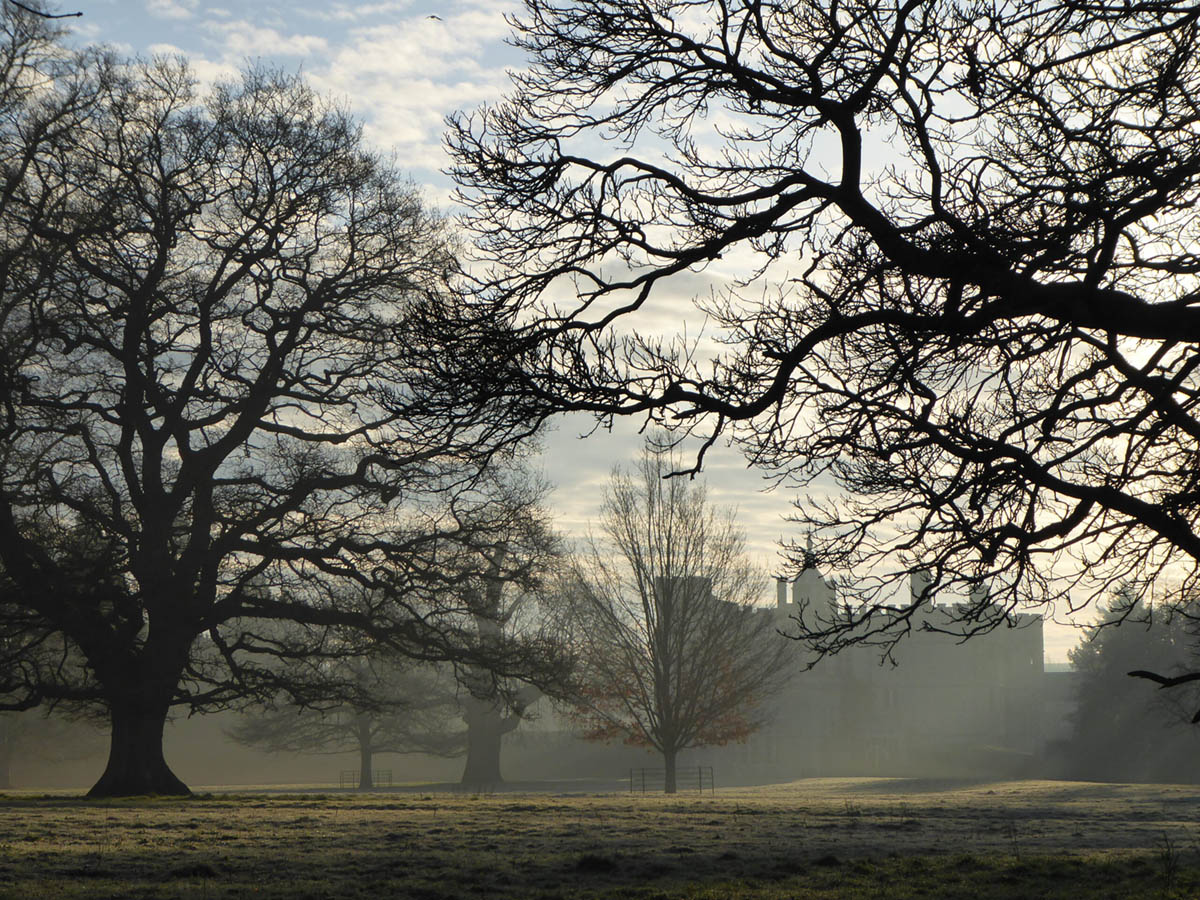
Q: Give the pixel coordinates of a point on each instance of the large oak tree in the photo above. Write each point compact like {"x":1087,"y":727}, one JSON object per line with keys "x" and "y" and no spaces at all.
{"x":969,"y":290}
{"x":215,"y":418}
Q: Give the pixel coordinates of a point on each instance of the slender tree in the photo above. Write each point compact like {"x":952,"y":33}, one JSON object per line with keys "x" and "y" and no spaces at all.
{"x":207,"y":372}
{"x":674,"y":654}
{"x":969,"y":286}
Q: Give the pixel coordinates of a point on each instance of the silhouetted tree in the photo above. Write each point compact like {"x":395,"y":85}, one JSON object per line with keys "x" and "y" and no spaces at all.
{"x":403,"y":709}
{"x":673,"y":653}
{"x":35,"y":9}
{"x":45,"y":737}
{"x":206,"y":368}
{"x":957,"y":241}
{"x":1118,"y":734}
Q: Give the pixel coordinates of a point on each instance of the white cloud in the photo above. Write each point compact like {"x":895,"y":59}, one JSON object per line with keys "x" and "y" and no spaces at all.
{"x":168,"y":50}
{"x":404,"y":77}
{"x":172,"y":9}
{"x":207,"y":71}
{"x":426,"y":47}
{"x":354,"y":12}
{"x":241,"y":39}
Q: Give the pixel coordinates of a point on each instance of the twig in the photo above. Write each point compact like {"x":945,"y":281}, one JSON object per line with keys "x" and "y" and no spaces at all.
{"x":44,"y":15}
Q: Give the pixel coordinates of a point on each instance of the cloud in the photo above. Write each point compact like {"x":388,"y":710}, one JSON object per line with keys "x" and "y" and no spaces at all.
{"x":172,"y":9}
{"x":242,"y":39}
{"x":207,"y":71}
{"x":452,"y":46}
{"x":397,"y":68}
{"x":406,"y":76}
{"x":353,"y":12}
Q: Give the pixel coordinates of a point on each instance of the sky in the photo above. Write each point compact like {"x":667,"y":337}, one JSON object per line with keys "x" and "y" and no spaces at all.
{"x":402,"y":66}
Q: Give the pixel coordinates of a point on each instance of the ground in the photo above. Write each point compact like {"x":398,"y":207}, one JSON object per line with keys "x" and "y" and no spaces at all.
{"x":841,"y":838}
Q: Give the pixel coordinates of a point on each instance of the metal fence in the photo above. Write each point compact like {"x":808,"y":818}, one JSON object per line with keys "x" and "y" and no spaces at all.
{"x":379,"y":778}
{"x":687,"y":778}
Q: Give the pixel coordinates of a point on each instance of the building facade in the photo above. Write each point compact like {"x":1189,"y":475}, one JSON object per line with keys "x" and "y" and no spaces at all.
{"x":939,"y":706}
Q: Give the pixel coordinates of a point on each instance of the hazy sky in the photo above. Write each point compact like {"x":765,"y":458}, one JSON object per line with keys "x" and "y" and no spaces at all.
{"x":401,"y":66}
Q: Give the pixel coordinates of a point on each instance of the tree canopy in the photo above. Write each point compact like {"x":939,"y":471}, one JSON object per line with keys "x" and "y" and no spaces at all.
{"x":966,"y":280}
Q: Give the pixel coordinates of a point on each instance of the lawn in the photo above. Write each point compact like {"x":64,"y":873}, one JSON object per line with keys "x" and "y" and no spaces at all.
{"x":818,"y":838}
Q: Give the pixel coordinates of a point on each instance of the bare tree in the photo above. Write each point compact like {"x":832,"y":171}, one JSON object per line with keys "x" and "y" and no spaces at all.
{"x":970,"y":297}
{"x":674,"y":654}
{"x":215,"y":417}
{"x":42,"y":13}
{"x":405,"y":708}
{"x":400,"y":707}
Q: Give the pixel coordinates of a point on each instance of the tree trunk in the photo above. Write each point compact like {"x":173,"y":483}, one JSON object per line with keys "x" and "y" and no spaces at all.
{"x":366,"y":778}
{"x":486,"y":727}
{"x":7,"y":744}
{"x":669,"y":771}
{"x":136,"y":765}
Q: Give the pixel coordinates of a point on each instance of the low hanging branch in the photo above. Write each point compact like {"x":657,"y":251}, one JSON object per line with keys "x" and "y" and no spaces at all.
{"x":43,"y":14}
{"x":1166,"y":681}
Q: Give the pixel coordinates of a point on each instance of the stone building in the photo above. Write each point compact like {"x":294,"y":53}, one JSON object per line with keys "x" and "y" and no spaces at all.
{"x":940,"y":706}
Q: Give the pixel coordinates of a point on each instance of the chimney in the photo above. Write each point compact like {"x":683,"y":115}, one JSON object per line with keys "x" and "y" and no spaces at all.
{"x":919,"y":582}
{"x":979,"y":594}
{"x":781,"y":591}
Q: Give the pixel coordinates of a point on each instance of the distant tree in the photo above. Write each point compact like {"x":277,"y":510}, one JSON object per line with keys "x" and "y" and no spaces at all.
{"x":673,"y":653}
{"x":402,"y":707}
{"x":206,"y":372}
{"x":405,"y":708}
{"x":488,"y":720}
{"x":1119,"y":732}
{"x":44,"y":737}
{"x":957,"y":246}
{"x":491,"y":709}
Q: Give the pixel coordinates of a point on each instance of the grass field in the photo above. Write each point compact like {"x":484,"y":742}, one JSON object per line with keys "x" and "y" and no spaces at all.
{"x":819,"y":838}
